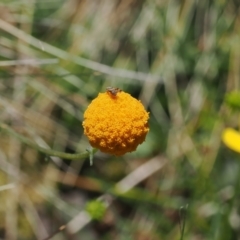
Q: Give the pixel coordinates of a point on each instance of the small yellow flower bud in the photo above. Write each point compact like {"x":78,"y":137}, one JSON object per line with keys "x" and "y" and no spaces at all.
{"x":231,"y":139}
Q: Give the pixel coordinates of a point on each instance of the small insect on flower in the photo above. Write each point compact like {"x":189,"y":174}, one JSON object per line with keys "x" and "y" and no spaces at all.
{"x":113,"y":91}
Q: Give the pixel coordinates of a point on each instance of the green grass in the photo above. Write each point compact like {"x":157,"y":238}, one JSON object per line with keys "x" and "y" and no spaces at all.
{"x":180,"y":58}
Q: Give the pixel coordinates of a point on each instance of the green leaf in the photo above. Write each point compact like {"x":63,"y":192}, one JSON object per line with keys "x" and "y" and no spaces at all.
{"x":232,"y":99}
{"x":96,"y":209}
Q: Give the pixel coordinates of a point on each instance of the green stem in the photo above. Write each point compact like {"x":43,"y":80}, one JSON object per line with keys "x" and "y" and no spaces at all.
{"x":49,"y":152}
{"x":182,"y":213}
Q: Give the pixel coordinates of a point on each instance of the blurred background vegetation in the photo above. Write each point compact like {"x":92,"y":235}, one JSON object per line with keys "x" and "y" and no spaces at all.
{"x":179,"y":58}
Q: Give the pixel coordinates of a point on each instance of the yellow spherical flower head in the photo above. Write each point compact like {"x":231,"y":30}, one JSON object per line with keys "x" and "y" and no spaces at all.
{"x":115,"y":122}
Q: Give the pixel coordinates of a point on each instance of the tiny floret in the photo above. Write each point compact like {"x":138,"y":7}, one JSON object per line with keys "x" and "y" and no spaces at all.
{"x":115,"y":122}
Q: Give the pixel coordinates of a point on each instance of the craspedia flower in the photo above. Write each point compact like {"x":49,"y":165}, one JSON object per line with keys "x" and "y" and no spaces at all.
{"x":115,"y":122}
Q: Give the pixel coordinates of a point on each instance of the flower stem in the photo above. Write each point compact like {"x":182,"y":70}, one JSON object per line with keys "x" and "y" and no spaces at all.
{"x":49,"y":152}
{"x":182,"y":213}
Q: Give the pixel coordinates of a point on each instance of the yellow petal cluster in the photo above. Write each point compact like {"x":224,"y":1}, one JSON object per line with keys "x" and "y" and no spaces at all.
{"x":115,"y":124}
{"x":231,"y":139}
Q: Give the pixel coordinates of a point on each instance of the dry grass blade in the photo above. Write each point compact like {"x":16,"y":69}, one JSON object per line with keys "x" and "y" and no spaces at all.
{"x":77,"y":60}
{"x":137,"y":176}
